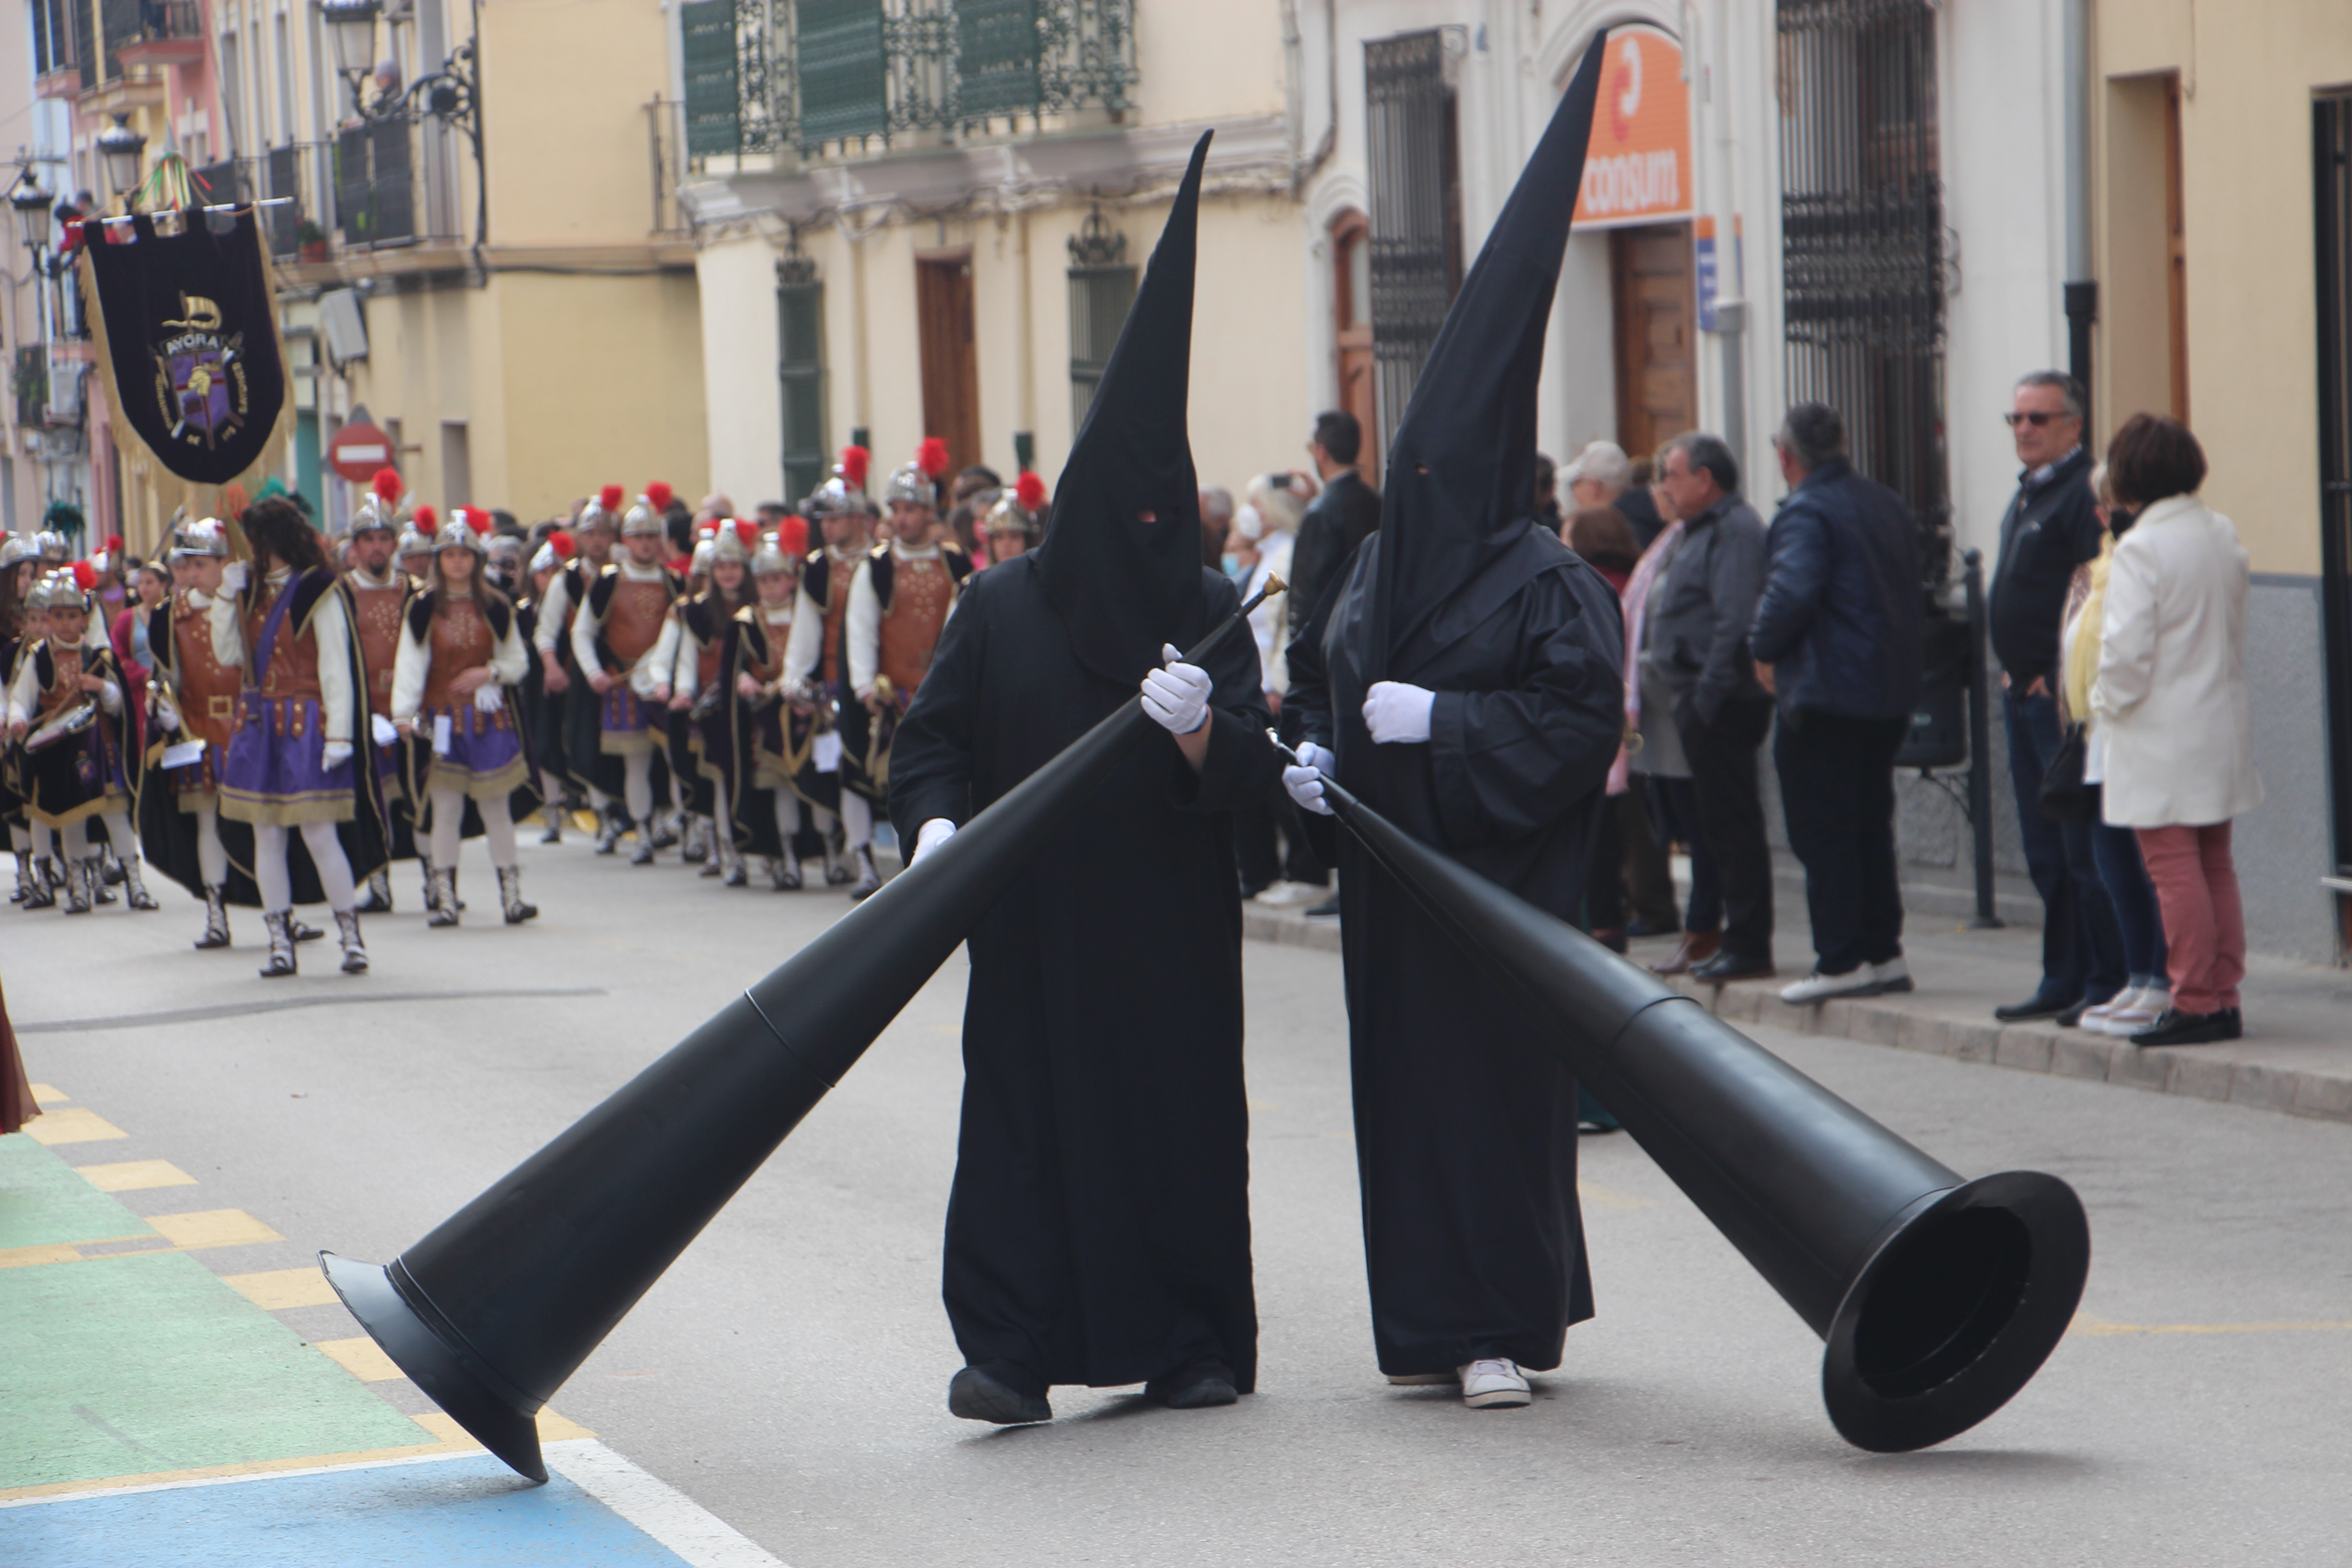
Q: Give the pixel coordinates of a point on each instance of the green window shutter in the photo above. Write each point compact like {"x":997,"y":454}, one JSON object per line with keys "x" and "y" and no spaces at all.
{"x":800,"y":356}
{"x":713,"y":112}
{"x":842,"y":64}
{"x":996,"y":58}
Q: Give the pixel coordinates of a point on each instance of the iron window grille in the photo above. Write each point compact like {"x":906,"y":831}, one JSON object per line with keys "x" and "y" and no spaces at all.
{"x":800,"y":366}
{"x":1862,"y":226}
{"x":2332,"y":212}
{"x":1102,"y":287}
{"x":1411,"y":126}
{"x":818,"y":78}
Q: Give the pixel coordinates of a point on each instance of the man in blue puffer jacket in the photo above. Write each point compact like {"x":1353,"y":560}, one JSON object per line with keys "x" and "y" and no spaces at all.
{"x":1837,"y":641}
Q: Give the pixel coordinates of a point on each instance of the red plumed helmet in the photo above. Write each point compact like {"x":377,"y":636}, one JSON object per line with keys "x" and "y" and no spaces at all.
{"x":931,"y":456}
{"x":85,"y":576}
{"x":1029,"y":492}
{"x":747,"y":531}
{"x":386,"y":484}
{"x":563,"y":544}
{"x":792,"y":536}
{"x":611,"y":496}
{"x":113,"y":543}
{"x":476,"y":519}
{"x":660,"y":495}
{"x":854,"y":460}
{"x":428,"y":519}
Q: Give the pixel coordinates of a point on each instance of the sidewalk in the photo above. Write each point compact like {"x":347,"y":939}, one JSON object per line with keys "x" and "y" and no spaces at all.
{"x":2296,"y":1056}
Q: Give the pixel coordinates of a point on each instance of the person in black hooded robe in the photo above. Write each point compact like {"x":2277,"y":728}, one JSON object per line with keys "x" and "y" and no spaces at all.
{"x":1099,"y":1229}
{"x":1466,"y":673}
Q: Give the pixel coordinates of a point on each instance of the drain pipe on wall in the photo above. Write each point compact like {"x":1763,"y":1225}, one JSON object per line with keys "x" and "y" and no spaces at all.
{"x":2081,"y":291}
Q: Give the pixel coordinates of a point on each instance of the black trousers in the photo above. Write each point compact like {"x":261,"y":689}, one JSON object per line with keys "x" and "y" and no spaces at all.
{"x":1837,"y":790}
{"x":1722,"y":757}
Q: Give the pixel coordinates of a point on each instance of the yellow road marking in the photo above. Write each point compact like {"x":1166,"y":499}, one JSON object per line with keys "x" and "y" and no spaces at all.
{"x":75,"y":1125}
{"x":25,"y":1256}
{"x":135,"y":1175}
{"x":552,"y":1428}
{"x":276,"y":1290}
{"x":249,"y":1467}
{"x":2085,"y":1323}
{"x":47,"y":1094}
{"x":211,"y":1227}
{"x":362,"y":1357}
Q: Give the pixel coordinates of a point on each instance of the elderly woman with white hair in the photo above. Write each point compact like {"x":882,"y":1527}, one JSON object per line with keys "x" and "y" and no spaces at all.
{"x":1259,"y":546}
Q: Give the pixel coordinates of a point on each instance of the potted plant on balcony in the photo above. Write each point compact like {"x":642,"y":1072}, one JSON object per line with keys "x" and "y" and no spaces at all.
{"x":311,"y":241}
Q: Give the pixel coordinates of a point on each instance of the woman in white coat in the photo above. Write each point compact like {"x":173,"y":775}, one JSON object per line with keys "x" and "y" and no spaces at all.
{"x":2170,"y":697}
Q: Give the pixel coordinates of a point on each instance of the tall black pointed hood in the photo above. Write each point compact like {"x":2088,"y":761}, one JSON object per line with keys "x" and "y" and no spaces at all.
{"x":1123,"y":586}
{"x":1462,"y":467}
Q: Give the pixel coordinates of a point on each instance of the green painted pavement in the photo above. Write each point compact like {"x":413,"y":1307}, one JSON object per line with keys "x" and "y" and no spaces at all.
{"x":145,"y":1363}
{"x":43,"y":1200}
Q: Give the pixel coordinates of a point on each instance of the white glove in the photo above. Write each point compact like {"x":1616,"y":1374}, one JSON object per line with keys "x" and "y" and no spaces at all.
{"x":234,"y":577}
{"x":336,"y":755}
{"x":1177,"y":698}
{"x":936,"y":832}
{"x":383,"y":731}
{"x":161,"y":710}
{"x":1304,"y":781}
{"x":489,"y":697}
{"x":1398,"y":714}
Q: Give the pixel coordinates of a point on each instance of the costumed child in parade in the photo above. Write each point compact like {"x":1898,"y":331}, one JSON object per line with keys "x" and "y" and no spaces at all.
{"x":701,"y":702}
{"x":379,"y":594}
{"x":1016,"y":522}
{"x":770,"y":736}
{"x":691,"y":793}
{"x":290,"y":770}
{"x":415,"y":550}
{"x":65,"y":707}
{"x":192,"y":708}
{"x":624,"y":640}
{"x":898,"y":607}
{"x":812,"y":662}
{"x":18,"y":632}
{"x":461,"y":655}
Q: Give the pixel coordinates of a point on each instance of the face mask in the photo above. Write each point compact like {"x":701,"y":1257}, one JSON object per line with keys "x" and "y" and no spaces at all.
{"x":1232,"y":565}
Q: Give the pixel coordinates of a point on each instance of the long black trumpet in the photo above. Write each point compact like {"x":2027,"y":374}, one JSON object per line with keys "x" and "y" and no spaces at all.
{"x":1938,"y":1298}
{"x":503,"y":1301}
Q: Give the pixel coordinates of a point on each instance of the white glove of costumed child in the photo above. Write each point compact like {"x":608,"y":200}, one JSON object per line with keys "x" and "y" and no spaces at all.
{"x":489,"y":697}
{"x":1177,"y":698}
{"x":935,"y":832}
{"x":1398,"y":714}
{"x":335,"y":755}
{"x":381,"y":731}
{"x":234,"y":576}
{"x":1304,"y":781}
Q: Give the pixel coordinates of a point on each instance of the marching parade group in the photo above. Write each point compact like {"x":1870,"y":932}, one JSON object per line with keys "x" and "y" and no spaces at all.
{"x":302,"y":710}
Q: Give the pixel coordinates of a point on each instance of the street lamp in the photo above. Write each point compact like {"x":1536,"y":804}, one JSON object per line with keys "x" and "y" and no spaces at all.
{"x":351,"y":24}
{"x":451,"y":94}
{"x":121,"y":150}
{"x":32,"y":204}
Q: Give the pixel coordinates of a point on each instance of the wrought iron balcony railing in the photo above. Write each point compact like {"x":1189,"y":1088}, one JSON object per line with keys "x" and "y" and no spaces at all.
{"x":820,"y":77}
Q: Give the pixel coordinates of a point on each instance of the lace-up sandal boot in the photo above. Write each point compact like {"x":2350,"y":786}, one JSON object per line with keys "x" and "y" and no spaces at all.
{"x":647,"y":843}
{"x":109,"y":868}
{"x":94,"y":879}
{"x":355,"y":958}
{"x":281,"y":944}
{"x":554,"y":815}
{"x":608,"y":831}
{"x":665,"y":836}
{"x":215,"y":918}
{"x":511,"y":896}
{"x":134,"y":888}
{"x":302,"y":929}
{"x":379,"y":893}
{"x":79,"y":875}
{"x":444,"y":903}
{"x":24,"y":880}
{"x":785,"y":872}
{"x":43,"y":894}
{"x":698,"y":843}
{"x":869,"y":875}
{"x":735,"y":874}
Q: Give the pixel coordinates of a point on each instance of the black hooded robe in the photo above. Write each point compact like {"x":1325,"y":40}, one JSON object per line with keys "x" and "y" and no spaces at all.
{"x":1099,"y":1229}
{"x":1465,"y":1122}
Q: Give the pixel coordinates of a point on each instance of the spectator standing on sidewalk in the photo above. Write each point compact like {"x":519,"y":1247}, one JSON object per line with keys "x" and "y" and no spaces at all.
{"x":2048,"y":531}
{"x":1720,"y":709}
{"x":1335,"y":525}
{"x":1837,"y":641}
{"x":2171,"y":694}
{"x":1656,"y":769}
{"x":2146,"y":991}
{"x":1602,"y":475}
{"x":1598,"y":535}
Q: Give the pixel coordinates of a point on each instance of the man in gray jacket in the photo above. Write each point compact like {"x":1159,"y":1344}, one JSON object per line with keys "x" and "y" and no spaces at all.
{"x":1700,"y":640}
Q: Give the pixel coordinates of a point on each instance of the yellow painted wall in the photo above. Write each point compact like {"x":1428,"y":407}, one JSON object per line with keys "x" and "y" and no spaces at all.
{"x":565,"y":135}
{"x":1201,"y":60}
{"x":2248,"y":72}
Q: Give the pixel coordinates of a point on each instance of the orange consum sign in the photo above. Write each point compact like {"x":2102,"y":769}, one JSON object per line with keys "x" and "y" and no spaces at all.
{"x":1637,"y":164}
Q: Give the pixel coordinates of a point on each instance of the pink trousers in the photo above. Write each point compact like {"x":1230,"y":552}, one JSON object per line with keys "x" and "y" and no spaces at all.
{"x":2204,"y":922}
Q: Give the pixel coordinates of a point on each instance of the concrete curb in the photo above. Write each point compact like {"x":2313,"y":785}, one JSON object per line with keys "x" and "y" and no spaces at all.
{"x":2025,"y":1048}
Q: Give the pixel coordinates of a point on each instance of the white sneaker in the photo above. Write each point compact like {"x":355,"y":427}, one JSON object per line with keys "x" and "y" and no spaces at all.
{"x":1283,"y":895}
{"x":1892,"y":975}
{"x":2146,"y":1006}
{"x":1494,"y":1384}
{"x":1820,"y":987}
{"x":2099,"y":1020}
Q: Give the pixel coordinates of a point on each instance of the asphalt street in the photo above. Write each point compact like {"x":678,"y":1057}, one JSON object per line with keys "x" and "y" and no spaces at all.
{"x":789,"y":1374}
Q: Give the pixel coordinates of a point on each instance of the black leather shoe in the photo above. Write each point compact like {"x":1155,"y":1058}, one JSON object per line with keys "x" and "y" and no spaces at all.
{"x":1328,"y":910}
{"x":1201,"y":1386}
{"x":2036,"y":1008}
{"x":987,"y":1393}
{"x":2180,"y":1028}
{"x":1728,"y":966}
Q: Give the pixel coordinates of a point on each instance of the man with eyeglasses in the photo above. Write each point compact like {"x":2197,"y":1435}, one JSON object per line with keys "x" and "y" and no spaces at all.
{"x":2050,"y":529}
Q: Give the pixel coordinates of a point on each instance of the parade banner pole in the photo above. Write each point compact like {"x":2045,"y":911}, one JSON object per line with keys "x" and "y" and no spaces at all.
{"x":493,"y":1309}
{"x":1938,"y":1298}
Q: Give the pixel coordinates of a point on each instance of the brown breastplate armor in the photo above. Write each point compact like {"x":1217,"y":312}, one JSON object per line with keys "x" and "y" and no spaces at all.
{"x":633,"y":620}
{"x":460,"y":641}
{"x":293,"y":662}
{"x":920,"y":593}
{"x":377,"y":621}
{"x":64,"y":681}
{"x":842,"y":573}
{"x":207,"y":687}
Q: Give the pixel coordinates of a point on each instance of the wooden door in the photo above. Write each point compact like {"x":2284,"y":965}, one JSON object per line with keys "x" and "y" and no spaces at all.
{"x":1656,"y":311}
{"x":951,"y":364}
{"x":1351,"y":299}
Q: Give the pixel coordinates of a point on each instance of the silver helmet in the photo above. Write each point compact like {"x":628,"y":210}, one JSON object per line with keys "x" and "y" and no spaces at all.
{"x":63,"y":591}
{"x":649,"y":515}
{"x":50,"y":546}
{"x":205,"y":536}
{"x":17,"y":548}
{"x":735,"y":540}
{"x":911,"y":483}
{"x":771,"y":557}
{"x":468,"y":528}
